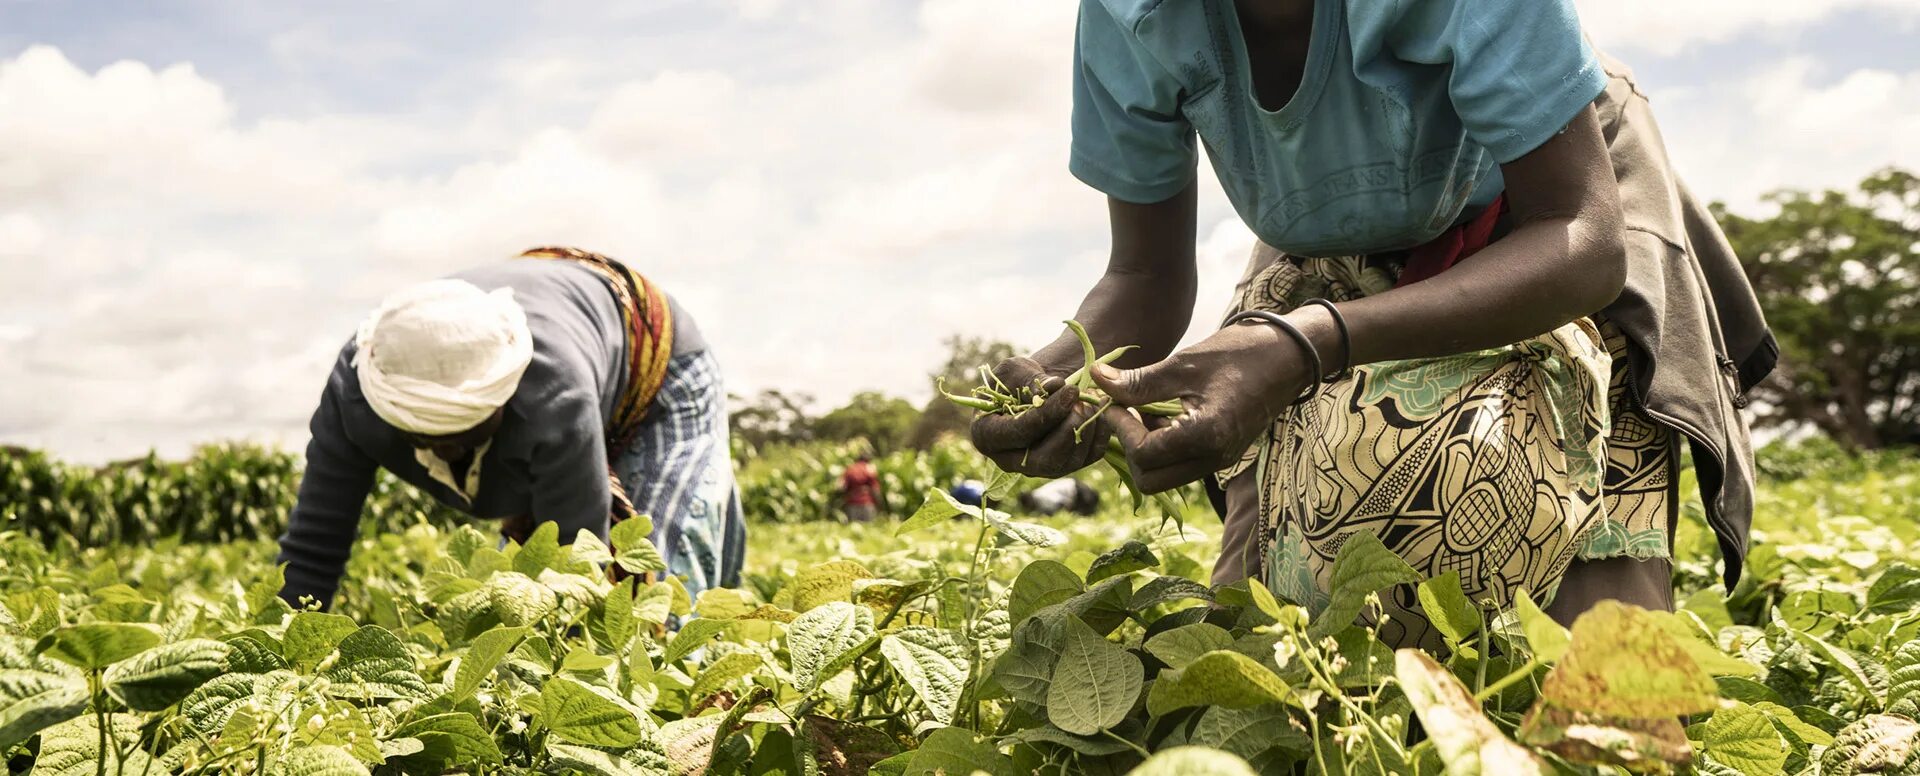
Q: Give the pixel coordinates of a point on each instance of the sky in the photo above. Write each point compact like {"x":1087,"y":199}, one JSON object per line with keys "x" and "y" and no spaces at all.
{"x":200,"y":199}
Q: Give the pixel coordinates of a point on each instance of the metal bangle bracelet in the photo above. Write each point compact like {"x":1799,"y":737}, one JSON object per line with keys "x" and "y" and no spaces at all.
{"x":1346,"y":339}
{"x":1313,"y":355}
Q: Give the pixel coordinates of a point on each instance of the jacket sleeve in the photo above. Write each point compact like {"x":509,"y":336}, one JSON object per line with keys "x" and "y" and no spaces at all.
{"x":326,"y":516}
{"x":569,"y":472}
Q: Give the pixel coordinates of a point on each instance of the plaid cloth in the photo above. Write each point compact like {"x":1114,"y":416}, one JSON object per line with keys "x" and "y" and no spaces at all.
{"x":679,"y":469}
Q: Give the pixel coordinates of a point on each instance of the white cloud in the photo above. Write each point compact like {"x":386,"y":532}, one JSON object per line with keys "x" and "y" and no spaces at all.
{"x":1667,"y":27}
{"x":176,"y":268}
{"x":1784,"y":128}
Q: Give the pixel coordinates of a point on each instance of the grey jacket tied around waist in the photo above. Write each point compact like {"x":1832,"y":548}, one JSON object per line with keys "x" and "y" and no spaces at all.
{"x":1697,"y":339}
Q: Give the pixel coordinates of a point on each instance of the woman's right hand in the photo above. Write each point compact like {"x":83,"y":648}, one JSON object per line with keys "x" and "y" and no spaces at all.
{"x":1041,"y":442}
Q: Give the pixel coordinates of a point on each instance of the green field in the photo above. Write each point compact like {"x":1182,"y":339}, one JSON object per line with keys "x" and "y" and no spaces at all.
{"x":1004,"y":645}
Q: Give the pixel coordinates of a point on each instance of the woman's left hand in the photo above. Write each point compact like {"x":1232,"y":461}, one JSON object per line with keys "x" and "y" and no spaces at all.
{"x":1234,"y":384}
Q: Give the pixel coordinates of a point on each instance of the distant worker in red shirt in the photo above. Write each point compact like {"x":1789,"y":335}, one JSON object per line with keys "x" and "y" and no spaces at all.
{"x":860,"y":491}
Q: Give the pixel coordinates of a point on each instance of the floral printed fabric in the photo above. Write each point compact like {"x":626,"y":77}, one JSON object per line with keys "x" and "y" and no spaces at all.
{"x":1502,"y":465}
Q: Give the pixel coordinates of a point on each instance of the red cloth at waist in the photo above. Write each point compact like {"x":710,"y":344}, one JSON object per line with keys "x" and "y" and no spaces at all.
{"x":1436,"y":255}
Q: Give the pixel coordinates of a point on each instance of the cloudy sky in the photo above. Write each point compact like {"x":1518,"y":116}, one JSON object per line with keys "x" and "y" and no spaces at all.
{"x":200,"y":198}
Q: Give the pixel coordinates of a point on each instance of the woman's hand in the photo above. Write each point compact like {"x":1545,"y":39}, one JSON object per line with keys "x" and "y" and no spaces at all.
{"x":1041,"y":441}
{"x":1233,"y":383}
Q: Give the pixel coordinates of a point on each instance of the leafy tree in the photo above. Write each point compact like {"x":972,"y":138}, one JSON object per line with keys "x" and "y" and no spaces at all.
{"x":1838,"y":275}
{"x":884,"y":421}
{"x":965,"y":356}
{"x":772,"y":416}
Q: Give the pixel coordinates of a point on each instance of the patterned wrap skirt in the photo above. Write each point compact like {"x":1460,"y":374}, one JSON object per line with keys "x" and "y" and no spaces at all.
{"x":1502,"y":465}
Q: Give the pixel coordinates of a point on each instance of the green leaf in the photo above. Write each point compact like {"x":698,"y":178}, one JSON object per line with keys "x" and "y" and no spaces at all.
{"x":1447,"y":607}
{"x":830,"y":581}
{"x":1192,"y":761}
{"x":1710,"y":607}
{"x":584,"y":661}
{"x":482,"y":656}
{"x":1875,"y":744}
{"x":1841,"y":661}
{"x":584,"y":714}
{"x":312,"y":636}
{"x":633,"y":547}
{"x":541,"y":551}
{"x":822,"y":641}
{"x":615,"y":624}
{"x":340,"y":724}
{"x":1790,"y":725}
{"x":1704,"y":652}
{"x":1178,"y":648}
{"x":938,"y":508}
{"x":1125,"y":559}
{"x":1249,"y":733}
{"x":518,"y":599}
{"x":1103,"y":606}
{"x":1027,"y":533}
{"x":1468,"y":742}
{"x":1363,"y":567}
{"x":209,"y":706}
{"x":449,"y":741}
{"x":636,"y":761}
{"x":372,"y":663}
{"x":1548,"y":639}
{"x":933,"y":662}
{"x":694,"y":634}
{"x":953,"y":751}
{"x":1263,"y":599}
{"x":249,"y":655}
{"x":35,"y":693}
{"x":1221,"y":678}
{"x":1095,"y":746}
{"x":654,"y":604}
{"x":1167,"y":589}
{"x":722,"y":672}
{"x":1026,"y":668}
{"x":162,"y":676}
{"x":1041,"y":584}
{"x":1623,"y":664}
{"x":72,"y":748}
{"x":1095,"y":683}
{"x":1653,"y":745}
{"x":1742,"y":737}
{"x":1903,"y":680}
{"x":1744,"y":689}
{"x":95,"y":645}
{"x":321,"y":760}
{"x":1896,"y":590}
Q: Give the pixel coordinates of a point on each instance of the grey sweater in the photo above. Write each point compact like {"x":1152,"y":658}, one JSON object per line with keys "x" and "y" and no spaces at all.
{"x":549,"y":458}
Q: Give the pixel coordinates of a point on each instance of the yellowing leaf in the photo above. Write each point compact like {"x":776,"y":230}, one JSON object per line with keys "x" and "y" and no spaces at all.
{"x":1223,"y":678}
{"x":1622,"y":663}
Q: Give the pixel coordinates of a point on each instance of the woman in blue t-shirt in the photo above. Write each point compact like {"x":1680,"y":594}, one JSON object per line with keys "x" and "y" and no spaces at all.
{"x":1418,"y":349}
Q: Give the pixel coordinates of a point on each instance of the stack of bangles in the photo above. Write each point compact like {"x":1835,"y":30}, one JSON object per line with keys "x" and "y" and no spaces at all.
{"x":1306,"y":344}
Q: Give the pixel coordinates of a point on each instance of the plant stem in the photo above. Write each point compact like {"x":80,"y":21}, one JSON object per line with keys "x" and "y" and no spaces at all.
{"x":1130,"y":745}
{"x":1509,"y":680}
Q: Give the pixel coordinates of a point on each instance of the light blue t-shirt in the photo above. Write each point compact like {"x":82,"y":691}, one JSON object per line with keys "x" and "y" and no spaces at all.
{"x":1403,"y":112}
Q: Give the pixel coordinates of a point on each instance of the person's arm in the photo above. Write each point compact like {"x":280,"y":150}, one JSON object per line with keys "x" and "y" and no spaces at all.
{"x":1145,"y":298}
{"x":569,"y":471}
{"x":1564,"y":259}
{"x":326,"y":515}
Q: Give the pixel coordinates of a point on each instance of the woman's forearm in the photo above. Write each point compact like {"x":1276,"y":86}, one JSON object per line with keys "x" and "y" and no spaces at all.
{"x":1543,"y":275}
{"x":1147,"y":311}
{"x":1146,"y":296}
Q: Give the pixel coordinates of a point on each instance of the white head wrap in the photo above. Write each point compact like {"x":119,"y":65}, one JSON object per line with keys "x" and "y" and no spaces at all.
{"x":439,"y":357}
